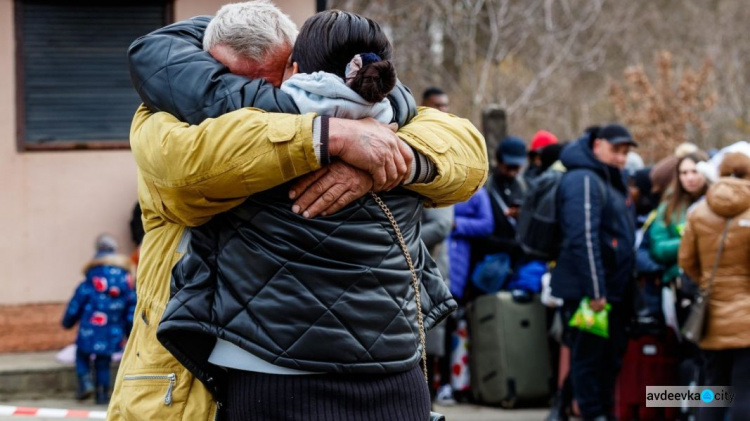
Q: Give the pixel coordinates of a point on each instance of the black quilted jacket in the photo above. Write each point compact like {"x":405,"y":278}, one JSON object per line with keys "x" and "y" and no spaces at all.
{"x":331,"y":294}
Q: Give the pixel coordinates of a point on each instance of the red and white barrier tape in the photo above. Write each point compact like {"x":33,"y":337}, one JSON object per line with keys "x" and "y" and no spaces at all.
{"x":51,"y":412}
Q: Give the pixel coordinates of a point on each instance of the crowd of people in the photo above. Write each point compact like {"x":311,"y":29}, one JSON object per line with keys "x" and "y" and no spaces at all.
{"x":305,"y":224}
{"x":640,"y":241}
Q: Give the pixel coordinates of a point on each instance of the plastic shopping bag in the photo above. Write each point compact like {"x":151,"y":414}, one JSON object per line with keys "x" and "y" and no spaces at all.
{"x":590,"y":321}
{"x":460,"y":380}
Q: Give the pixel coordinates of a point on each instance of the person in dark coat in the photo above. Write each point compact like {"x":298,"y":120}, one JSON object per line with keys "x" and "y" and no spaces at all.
{"x":596,"y":260}
{"x":103,"y":306}
{"x":506,"y":190}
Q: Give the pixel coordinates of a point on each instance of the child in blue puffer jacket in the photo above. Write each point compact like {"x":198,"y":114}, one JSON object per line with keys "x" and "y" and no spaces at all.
{"x":103,"y":304}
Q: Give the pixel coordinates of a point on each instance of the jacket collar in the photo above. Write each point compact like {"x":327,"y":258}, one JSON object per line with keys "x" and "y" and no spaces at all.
{"x":116,"y":260}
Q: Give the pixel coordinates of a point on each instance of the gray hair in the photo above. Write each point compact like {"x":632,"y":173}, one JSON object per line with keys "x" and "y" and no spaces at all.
{"x":252,"y":29}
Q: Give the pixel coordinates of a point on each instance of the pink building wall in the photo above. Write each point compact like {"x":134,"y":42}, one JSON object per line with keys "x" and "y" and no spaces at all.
{"x":54,"y":204}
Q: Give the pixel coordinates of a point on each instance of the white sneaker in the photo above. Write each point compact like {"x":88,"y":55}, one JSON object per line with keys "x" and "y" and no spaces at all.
{"x":444,"y":396}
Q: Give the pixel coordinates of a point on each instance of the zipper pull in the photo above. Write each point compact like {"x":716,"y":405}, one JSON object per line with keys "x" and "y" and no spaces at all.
{"x":218,"y":410}
{"x":168,"y":398}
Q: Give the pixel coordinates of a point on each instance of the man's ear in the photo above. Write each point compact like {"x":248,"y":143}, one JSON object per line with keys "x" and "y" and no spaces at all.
{"x":295,"y":68}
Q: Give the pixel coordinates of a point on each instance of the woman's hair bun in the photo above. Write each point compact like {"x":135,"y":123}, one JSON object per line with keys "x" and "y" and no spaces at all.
{"x":375,"y":81}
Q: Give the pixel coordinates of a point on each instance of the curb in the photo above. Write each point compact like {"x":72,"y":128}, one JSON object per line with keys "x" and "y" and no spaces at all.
{"x":37,"y":375}
{"x":25,"y":411}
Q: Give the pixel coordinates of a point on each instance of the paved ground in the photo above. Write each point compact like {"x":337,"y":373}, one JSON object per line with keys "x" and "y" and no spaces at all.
{"x":24,"y":376}
{"x":28,"y":361}
{"x":481,"y":413}
{"x":454,"y":413}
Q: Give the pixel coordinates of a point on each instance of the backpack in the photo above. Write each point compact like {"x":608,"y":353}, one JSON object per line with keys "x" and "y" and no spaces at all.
{"x":538,"y":230}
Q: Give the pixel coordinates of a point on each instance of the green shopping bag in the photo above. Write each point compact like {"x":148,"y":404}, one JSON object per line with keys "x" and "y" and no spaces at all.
{"x":590,"y":321}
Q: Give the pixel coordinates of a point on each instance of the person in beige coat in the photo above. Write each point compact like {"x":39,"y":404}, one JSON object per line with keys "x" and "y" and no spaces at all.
{"x":726,"y":343}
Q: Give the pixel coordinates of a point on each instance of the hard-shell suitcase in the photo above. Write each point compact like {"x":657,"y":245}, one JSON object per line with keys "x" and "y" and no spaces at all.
{"x":650,"y":360}
{"x":509,"y":355}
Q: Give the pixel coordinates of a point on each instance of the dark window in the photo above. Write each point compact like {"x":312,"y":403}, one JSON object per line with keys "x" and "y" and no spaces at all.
{"x":74,"y":88}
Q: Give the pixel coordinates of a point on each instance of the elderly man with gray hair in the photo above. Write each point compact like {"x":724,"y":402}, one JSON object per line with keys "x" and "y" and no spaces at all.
{"x":207,"y":153}
{"x":255,"y":50}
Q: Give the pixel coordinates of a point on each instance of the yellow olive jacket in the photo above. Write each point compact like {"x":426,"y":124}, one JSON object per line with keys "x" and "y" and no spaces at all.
{"x":187,"y":174}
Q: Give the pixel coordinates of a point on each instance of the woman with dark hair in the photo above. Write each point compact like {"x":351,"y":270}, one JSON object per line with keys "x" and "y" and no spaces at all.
{"x":320,"y":322}
{"x":340,"y":67}
{"x":688,"y":187}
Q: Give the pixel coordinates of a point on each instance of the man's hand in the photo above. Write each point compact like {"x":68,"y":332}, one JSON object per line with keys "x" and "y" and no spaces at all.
{"x":373,"y":147}
{"x":329,"y":189}
{"x":598,"y":305}
{"x":513,"y":212}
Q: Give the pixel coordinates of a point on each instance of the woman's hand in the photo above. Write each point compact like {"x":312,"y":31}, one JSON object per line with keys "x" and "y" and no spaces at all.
{"x":329,"y":189}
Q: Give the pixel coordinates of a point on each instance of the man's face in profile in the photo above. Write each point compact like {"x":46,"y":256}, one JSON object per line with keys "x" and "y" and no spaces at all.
{"x":273,"y":68}
{"x":437,"y":101}
{"x":612,"y":155}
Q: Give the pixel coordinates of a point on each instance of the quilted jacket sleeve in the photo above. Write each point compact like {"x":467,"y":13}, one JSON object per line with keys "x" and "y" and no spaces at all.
{"x":192,"y":173}
{"x":403,"y":103}
{"x":481,"y":222}
{"x":456,"y":148}
{"x":75,"y":307}
{"x":171,"y":72}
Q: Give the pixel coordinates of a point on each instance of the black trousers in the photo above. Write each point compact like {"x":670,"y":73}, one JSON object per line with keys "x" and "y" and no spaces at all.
{"x":330,"y":397}
{"x":729,"y":367}
{"x":595,"y":362}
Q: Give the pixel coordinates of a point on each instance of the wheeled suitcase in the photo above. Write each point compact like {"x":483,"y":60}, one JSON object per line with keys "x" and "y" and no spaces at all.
{"x":650,"y":360}
{"x":509,"y":356}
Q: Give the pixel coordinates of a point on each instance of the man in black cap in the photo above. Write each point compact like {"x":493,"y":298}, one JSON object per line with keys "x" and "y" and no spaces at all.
{"x":507,"y":191}
{"x":596,"y":260}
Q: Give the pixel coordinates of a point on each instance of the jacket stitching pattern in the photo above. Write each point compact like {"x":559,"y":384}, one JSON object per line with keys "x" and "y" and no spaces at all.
{"x":246,"y":309}
{"x":366,"y":349}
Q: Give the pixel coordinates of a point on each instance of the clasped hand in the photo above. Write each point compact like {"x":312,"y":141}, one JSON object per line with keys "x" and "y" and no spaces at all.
{"x":366,"y":155}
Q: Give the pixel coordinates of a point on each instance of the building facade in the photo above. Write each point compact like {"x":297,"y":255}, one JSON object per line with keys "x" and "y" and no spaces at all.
{"x":67,"y":173}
